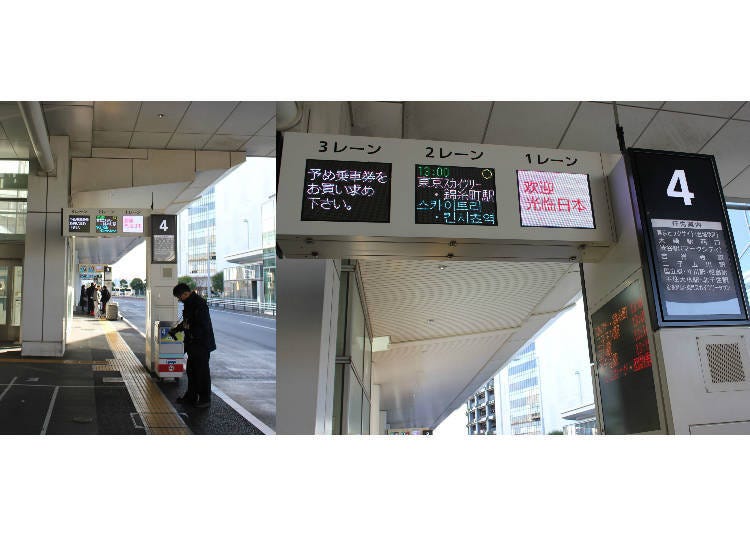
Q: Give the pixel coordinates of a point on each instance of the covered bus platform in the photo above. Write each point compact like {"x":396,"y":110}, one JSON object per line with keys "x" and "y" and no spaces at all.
{"x":399,"y":320}
{"x":62,"y":372}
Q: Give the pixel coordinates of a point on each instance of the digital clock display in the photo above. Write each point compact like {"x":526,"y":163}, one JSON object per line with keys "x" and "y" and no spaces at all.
{"x":455,"y":195}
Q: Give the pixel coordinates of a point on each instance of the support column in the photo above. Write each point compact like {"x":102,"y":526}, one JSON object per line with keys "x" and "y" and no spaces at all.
{"x":689,"y":397}
{"x":47,"y":259}
{"x":160,"y":303}
{"x":308,"y":301}
{"x":375,"y":410}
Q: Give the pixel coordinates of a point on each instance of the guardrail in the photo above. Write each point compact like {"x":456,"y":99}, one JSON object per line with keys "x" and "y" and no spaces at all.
{"x":250,"y":306}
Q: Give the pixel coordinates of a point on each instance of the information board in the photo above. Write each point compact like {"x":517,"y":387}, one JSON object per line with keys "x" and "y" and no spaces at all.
{"x":689,"y":246}
{"x":337,"y":190}
{"x":455,"y":195}
{"x":163,"y":239}
{"x":79,"y":224}
{"x":106,"y":224}
{"x":103,"y":222}
{"x":550,"y":199}
{"x":624,"y":366}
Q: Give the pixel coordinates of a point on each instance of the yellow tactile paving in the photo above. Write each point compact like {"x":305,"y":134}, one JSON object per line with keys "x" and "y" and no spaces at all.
{"x":157,"y":414}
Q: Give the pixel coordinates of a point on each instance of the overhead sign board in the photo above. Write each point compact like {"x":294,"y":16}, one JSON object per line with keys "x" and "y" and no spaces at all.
{"x":103,"y":222}
{"x":624,"y":364}
{"x":688,"y":243}
{"x":428,"y":199}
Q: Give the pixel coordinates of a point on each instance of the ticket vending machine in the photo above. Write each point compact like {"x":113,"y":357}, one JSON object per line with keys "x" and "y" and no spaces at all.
{"x":169,"y":359}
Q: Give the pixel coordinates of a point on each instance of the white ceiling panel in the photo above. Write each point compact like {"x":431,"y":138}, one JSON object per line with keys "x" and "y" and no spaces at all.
{"x":679,"y":132}
{"x":203,"y":117}
{"x":739,"y":187}
{"x":225,"y":142}
{"x":715,"y":108}
{"x":260,"y":146}
{"x":416,"y":300}
{"x":149,"y":120}
{"x":188,"y":141}
{"x":379,"y":119}
{"x":643,"y":104}
{"x":3,"y":135}
{"x":111,"y":139}
{"x":80,"y":148}
{"x":9,"y":110}
{"x":248,"y":118}
{"x":73,"y":121}
{"x":6,"y":149}
{"x":118,"y":116}
{"x":269,"y":129}
{"x":731,"y":146}
{"x":150,"y":140}
{"x":446,"y":121}
{"x":593,"y":128}
{"x":744,"y":112}
{"x":532,"y":124}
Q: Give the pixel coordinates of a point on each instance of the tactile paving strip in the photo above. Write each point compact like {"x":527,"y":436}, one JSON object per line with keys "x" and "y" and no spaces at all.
{"x":157,"y":414}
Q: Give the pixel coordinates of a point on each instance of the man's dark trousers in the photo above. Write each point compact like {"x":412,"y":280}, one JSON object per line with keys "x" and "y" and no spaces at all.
{"x":199,"y":373}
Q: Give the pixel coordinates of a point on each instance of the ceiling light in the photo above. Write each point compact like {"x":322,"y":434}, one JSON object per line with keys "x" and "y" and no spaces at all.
{"x":442,"y":266}
{"x":161,"y":116}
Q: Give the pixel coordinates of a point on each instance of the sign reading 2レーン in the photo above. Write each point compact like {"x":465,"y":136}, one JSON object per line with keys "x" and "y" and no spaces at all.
{"x":692,"y":258}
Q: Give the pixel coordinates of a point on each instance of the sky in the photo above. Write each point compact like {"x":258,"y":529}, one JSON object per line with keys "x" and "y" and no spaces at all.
{"x":131,"y":265}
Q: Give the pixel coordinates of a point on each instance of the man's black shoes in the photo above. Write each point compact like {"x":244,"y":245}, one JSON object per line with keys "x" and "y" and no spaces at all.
{"x":187,"y":398}
{"x":203,"y":403}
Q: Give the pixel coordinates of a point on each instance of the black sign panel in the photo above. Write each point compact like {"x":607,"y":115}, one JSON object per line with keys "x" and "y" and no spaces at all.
{"x":689,"y":246}
{"x":454,"y":195}
{"x":79,"y":224}
{"x":623,"y":360}
{"x":347,"y":191}
{"x":163,"y":239}
{"x":106,"y":224}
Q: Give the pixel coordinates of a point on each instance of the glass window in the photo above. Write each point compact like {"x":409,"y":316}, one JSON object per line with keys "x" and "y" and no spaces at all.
{"x":365,"y":415}
{"x":353,"y":404}
{"x":356,"y":330}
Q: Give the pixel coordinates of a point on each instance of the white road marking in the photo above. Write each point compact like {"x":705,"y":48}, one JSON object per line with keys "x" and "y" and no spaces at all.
{"x":129,"y":323}
{"x":9,"y":386}
{"x":257,"y":325}
{"x":49,"y":411}
{"x":252,"y":419}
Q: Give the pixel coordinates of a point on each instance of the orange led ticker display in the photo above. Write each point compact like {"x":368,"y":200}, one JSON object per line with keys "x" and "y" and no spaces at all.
{"x":623,"y":359}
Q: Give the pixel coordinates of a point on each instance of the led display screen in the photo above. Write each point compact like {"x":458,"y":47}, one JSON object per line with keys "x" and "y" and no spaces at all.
{"x":623,"y":360}
{"x":454,"y":195}
{"x":347,"y":191}
{"x":687,"y":238}
{"x":550,"y":199}
{"x":132,"y":224}
{"x":106,"y":224}
{"x":79,"y":224}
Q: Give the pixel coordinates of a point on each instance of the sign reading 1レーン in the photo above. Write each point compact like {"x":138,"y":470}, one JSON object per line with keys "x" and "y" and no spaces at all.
{"x":455,"y":195}
{"x":692,"y":258}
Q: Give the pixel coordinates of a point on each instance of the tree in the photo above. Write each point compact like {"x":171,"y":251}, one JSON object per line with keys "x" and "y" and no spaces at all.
{"x":189,"y":281}
{"x":123,"y":282}
{"x":138,"y":285}
{"x":217,"y":282}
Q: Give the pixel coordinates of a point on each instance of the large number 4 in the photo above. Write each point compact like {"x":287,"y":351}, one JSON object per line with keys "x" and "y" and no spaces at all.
{"x":678,"y":177}
{"x":163,"y":225}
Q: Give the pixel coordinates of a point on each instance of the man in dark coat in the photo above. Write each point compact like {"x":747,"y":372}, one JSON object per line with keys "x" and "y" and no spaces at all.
{"x":106,"y":296}
{"x":199,"y":343}
{"x":90,"y":293}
